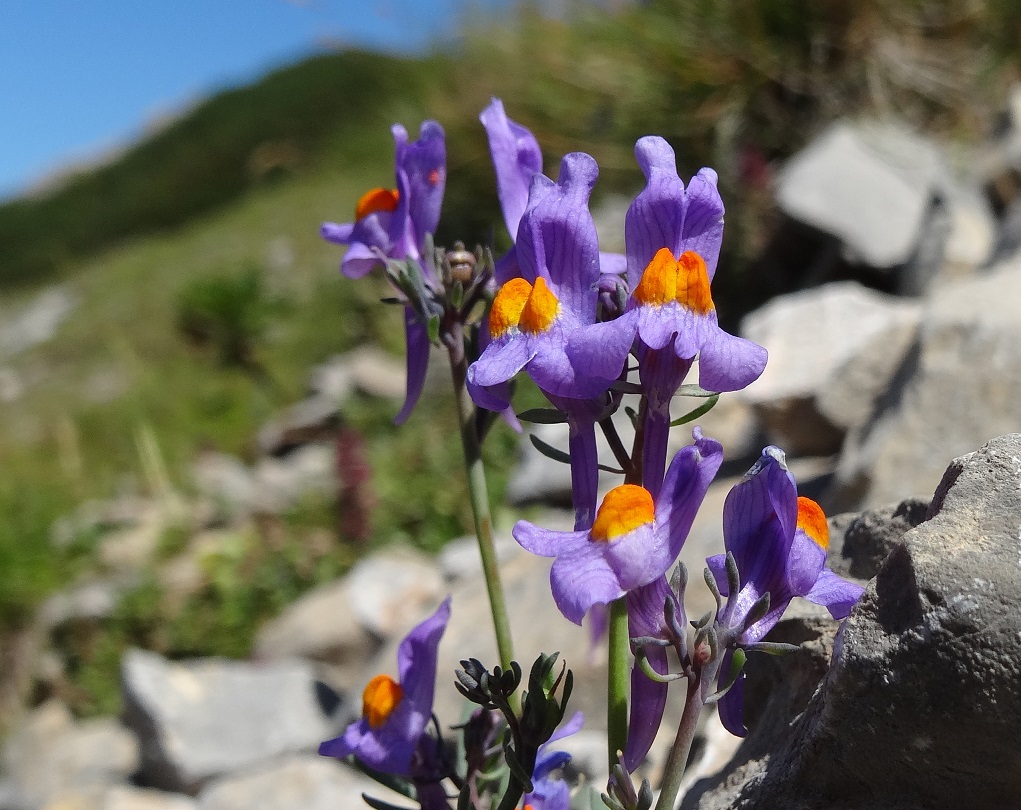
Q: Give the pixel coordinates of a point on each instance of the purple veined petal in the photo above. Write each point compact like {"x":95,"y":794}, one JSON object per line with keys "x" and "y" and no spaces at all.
{"x":728,"y":363}
{"x":694,"y":330}
{"x":685,"y":485}
{"x":731,"y":705}
{"x":508,"y":267}
{"x":658,"y":325}
{"x":639,"y":556}
{"x":547,"y":542}
{"x":425,"y":163}
{"x":516,"y":159}
{"x":581,"y":578}
{"x":559,"y":234}
{"x":600,"y":350}
{"x":337,"y":232}
{"x":759,"y":519}
{"x":656,"y":215}
{"x":572,"y":726}
{"x":702,"y":231}
{"x":835,"y":593}
{"x":401,"y":236}
{"x":501,"y":360}
{"x":529,"y":247}
{"x":417,"y":660}
{"x":417,"y":343}
{"x":612,"y":264}
{"x":661,"y":373}
{"x":552,"y":370}
{"x":359,"y":261}
{"x":804,"y":563}
{"x":492,"y":398}
{"x":389,"y":748}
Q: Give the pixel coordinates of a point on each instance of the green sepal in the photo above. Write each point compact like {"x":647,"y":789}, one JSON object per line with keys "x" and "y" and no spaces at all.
{"x":433,"y":327}
{"x":773,"y":647}
{"x":737,"y":663}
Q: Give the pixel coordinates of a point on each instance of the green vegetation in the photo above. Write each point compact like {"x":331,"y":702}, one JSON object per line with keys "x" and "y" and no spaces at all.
{"x":210,"y":226}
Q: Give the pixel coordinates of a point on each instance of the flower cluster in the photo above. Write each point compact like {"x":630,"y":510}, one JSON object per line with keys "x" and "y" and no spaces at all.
{"x":588,"y":328}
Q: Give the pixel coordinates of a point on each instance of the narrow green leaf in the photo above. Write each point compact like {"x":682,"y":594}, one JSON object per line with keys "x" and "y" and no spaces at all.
{"x":548,"y":450}
{"x":701,"y":410}
{"x":543,"y":416}
{"x":434,"y":329}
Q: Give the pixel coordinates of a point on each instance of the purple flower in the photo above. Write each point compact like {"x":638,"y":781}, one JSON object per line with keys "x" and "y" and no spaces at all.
{"x":393,"y":223}
{"x":548,"y":793}
{"x":673,"y":236}
{"x":391,"y":732}
{"x":633,"y":540}
{"x":516,"y":160}
{"x":779,"y":542}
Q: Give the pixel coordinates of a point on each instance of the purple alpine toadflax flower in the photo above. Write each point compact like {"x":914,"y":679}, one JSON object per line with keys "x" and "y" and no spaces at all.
{"x":673,"y":236}
{"x":779,"y":542}
{"x":633,"y":540}
{"x":390,"y":736}
{"x":534,"y":315}
{"x":392,"y":224}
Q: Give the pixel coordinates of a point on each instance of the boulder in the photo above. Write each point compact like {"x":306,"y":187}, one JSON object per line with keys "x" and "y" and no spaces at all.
{"x":811,"y":336}
{"x":870,"y":185}
{"x":389,"y":592}
{"x":957,"y":387}
{"x":306,"y":782}
{"x":51,"y":755}
{"x":921,"y":703}
{"x":200,"y":719}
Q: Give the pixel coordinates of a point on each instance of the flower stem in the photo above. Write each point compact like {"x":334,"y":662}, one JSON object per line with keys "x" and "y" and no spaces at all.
{"x":617,"y":681}
{"x":478,"y":492}
{"x":673,"y":772}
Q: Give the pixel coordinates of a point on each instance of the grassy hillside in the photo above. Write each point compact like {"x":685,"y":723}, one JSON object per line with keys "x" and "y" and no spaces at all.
{"x":245,"y":179}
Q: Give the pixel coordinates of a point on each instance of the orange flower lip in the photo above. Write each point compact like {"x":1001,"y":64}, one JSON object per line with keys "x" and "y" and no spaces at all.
{"x":375,"y":200}
{"x":684,"y":280}
{"x":812,"y":521}
{"x":519,"y":304}
{"x":624,"y":509}
{"x":380,"y":698}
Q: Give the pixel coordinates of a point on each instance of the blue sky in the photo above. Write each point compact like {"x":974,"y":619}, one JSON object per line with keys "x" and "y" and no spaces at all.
{"x":81,"y":77}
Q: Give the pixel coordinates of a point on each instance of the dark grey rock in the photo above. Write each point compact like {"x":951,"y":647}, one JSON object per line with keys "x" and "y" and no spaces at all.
{"x":922,"y":702}
{"x":200,"y":719}
{"x":869,"y":537}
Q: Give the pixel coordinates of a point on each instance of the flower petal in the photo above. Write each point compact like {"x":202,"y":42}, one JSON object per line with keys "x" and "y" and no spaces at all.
{"x":703,"y":220}
{"x":731,"y":705}
{"x":685,"y":485}
{"x":417,"y":343}
{"x":835,"y":593}
{"x":501,"y":360}
{"x":601,"y":349}
{"x":728,"y":363}
{"x":425,"y":164}
{"x":655,"y":217}
{"x":516,"y":159}
{"x":547,"y":542}
{"x":417,"y":660}
{"x":582,"y":578}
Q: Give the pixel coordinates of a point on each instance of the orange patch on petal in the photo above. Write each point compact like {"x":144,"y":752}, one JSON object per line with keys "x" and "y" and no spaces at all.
{"x":375,"y":200}
{"x":693,"y":283}
{"x":379,"y":699}
{"x":508,"y":305}
{"x":658,"y":285}
{"x":624,"y":509}
{"x":812,"y":521}
{"x":433,"y":177}
{"x":540,"y":310}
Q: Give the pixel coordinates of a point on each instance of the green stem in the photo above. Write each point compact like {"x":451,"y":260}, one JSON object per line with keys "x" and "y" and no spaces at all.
{"x":617,"y":681}
{"x":478,"y":492}
{"x":673,"y":771}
